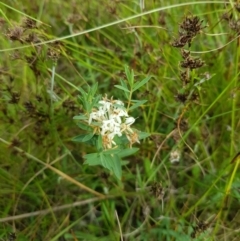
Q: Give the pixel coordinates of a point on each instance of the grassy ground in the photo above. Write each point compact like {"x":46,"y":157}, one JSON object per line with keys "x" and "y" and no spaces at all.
{"x":192,"y":114}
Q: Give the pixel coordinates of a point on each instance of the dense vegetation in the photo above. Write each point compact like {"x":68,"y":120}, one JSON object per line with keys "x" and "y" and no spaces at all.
{"x":183,"y":183}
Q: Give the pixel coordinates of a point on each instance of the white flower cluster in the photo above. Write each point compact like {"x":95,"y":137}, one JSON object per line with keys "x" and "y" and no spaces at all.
{"x":111,"y":119}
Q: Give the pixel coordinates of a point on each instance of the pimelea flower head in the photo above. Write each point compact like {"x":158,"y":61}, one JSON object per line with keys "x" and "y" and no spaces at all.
{"x":109,"y":119}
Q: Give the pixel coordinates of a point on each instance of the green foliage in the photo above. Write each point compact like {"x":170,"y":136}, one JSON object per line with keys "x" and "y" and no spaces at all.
{"x":88,"y":99}
{"x":131,"y":86}
{"x":110,"y":158}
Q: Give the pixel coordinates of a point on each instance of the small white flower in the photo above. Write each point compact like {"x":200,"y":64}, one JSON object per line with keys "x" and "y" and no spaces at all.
{"x":106,"y":105}
{"x":111,"y":119}
{"x":118,"y":102}
{"x":101,"y":113}
{"x":107,"y":126}
{"x":114,"y":133}
{"x":117,"y":130}
{"x":129,"y":121}
{"x":121,"y":112}
{"x":116,"y":118}
{"x":96,"y":115}
{"x":92,"y":116}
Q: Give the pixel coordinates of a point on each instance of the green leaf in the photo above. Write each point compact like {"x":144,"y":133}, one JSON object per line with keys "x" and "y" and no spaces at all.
{"x":93,"y":90}
{"x":121,"y":140}
{"x":84,"y":94}
{"x":137,"y":85}
{"x":88,"y":99}
{"x":88,"y":137}
{"x":105,"y":163}
{"x":123,"y":84}
{"x":78,"y":138}
{"x":143,"y":135}
{"x":99,"y":144}
{"x":84,"y":126}
{"x":121,"y":88}
{"x":127,"y":152}
{"x":82,"y":101}
{"x":112,"y":162}
{"x":83,"y":138}
{"x":130,"y":76}
{"x":111,"y":151}
{"x":95,"y":101}
{"x":80,"y":117}
{"x":92,"y":159}
{"x":137,"y":104}
{"x":116,"y":166}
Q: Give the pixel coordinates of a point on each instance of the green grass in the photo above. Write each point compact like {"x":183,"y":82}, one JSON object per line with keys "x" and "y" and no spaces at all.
{"x":47,"y":193}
